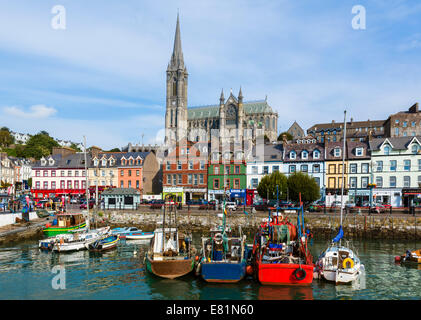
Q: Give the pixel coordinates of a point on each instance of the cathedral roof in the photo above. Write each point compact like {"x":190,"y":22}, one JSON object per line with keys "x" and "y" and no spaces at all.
{"x":212,"y":111}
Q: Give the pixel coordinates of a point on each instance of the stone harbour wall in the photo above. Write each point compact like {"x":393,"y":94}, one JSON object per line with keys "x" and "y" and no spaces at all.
{"x":321,"y":226}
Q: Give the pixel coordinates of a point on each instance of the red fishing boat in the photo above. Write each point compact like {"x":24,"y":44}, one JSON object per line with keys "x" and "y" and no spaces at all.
{"x":280,"y":251}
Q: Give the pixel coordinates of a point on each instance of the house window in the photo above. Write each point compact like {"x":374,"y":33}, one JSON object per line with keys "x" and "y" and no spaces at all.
{"x":189,"y":177}
{"x":168,"y":165}
{"x":291,"y":169}
{"x":379,"y":182}
{"x":393,"y":165}
{"x":45,"y":173}
{"x":178,"y":165}
{"x":392,"y":182}
{"x":337,"y":152}
{"x":332,"y":169}
{"x":353,"y":168}
{"x":195,"y":179}
{"x":180,"y":179}
{"x":265,"y":169}
{"x":237,"y":169}
{"x":37,"y":185}
{"x":69,"y":184}
{"x":122,"y":173}
{"x":137,"y":184}
{"x":201,"y":179}
{"x":317,"y":179}
{"x":202,"y":164}
{"x":121,"y":184}
{"x":216,"y":183}
{"x":419,"y":164}
{"x":227,"y":169}
{"x":364,"y":182}
{"x":168,"y":179}
{"x":62,"y":184}
{"x":69,"y":173}
{"x":174,"y":179}
{"x":316,"y":168}
{"x":275,"y":168}
{"x":359,"y":152}
{"x":331,"y":183}
{"x":130,"y":182}
{"x":216,"y":169}
{"x":76,"y":184}
{"x":353,"y":182}
{"x":45,"y":184}
{"x":364,"y":167}
{"x":316,"y":154}
{"x":304,"y":155}
{"x":254,"y":183}
{"x":236,"y":183}
{"x":406,"y":181}
{"x":292,"y":155}
{"x":415,"y":149}
{"x":396,"y":131}
{"x":62,"y":173}
{"x":254,"y":170}
{"x":37,"y":173}
{"x":53,"y":173}
{"x":304,"y":168}
{"x":407,"y":165}
{"x":130,"y":173}
{"x":190,"y":165}
{"x":137,"y":173}
{"x":379,"y":166}
{"x":405,"y":124}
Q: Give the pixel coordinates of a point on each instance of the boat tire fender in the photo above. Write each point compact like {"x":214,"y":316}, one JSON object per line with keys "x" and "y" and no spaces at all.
{"x":303,"y":273}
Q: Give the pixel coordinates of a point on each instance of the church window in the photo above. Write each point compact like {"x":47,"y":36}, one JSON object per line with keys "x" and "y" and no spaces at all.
{"x":174,"y":87}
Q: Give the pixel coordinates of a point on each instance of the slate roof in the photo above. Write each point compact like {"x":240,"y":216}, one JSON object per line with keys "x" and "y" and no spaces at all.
{"x":400,"y":143}
{"x":299,"y":147}
{"x":212,"y":111}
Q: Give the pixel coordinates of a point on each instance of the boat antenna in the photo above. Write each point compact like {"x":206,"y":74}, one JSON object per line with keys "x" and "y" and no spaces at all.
{"x":343,"y":170}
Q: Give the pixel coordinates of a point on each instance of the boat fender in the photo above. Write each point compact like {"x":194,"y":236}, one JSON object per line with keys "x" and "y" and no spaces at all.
{"x":303,"y":273}
{"x":397,"y":259}
{"x":351,"y":263}
{"x":249,"y":270}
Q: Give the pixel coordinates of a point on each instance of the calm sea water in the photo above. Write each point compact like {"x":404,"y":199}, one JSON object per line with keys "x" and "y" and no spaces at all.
{"x":26,"y":273}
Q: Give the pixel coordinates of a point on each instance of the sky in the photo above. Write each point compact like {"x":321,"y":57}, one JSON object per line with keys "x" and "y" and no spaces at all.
{"x":103,"y":76}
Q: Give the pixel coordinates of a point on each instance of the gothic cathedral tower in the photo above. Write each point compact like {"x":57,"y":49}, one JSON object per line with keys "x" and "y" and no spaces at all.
{"x":177,"y":76}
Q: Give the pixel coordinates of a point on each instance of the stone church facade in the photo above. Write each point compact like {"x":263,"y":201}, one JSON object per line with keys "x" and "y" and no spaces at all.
{"x":234,"y":118}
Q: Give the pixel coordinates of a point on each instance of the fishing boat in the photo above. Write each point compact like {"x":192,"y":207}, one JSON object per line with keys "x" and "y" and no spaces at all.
{"x":409,"y":256}
{"x":132,"y":233}
{"x":107,"y":242}
{"x":66,"y":223}
{"x":338,"y":263}
{"x":169,"y":255}
{"x":224,"y":257}
{"x":280,"y":251}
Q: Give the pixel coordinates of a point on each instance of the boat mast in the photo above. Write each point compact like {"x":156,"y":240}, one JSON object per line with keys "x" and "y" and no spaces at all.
{"x":343,"y":169}
{"x":86,"y":184}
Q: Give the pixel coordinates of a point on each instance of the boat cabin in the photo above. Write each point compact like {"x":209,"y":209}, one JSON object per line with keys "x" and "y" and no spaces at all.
{"x":69,"y":220}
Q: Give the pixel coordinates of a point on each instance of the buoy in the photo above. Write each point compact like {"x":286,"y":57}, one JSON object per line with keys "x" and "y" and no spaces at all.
{"x":249,"y":270}
{"x":48,"y":225}
{"x":397,"y":259}
{"x":197,"y":258}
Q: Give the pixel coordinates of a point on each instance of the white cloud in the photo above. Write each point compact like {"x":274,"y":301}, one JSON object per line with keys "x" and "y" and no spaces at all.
{"x":39,"y":111}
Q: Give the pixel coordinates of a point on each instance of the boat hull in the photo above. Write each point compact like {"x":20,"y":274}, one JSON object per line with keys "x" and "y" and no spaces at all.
{"x":223,"y":272}
{"x":283,"y":274}
{"x":140,"y":236}
{"x":54,"y":230}
{"x":104,"y":245}
{"x":169,"y":268}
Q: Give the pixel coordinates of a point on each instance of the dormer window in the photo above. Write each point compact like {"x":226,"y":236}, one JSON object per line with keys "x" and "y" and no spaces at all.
{"x":359,"y":152}
{"x":292,"y":155}
{"x":387,"y":150}
{"x":316,"y":154}
{"x":95,"y":162}
{"x":415,"y":149}
{"x":104,"y":162}
{"x":304,"y":154}
{"x":43,"y":162}
{"x":337,"y":152}
{"x":50,"y":161}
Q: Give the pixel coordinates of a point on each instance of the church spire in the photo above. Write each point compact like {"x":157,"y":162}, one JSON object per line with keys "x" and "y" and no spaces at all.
{"x":177,"y":60}
{"x":222,"y":99}
{"x":240,"y":96}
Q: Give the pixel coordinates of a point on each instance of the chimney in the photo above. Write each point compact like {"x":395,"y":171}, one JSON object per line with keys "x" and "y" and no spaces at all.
{"x":64,"y":151}
{"x":352,"y":120}
{"x":414,"y":108}
{"x":333,"y":121}
{"x":95,"y":151}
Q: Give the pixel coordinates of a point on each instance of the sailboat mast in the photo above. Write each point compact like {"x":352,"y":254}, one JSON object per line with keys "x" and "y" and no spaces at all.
{"x":343,"y":167}
{"x":86,"y":184}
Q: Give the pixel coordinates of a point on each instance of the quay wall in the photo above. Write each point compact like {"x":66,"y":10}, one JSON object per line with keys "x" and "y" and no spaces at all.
{"x":10,"y":218}
{"x":322,"y":226}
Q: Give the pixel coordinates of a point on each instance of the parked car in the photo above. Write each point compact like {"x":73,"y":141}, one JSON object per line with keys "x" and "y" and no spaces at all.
{"x":42,"y":204}
{"x":335,"y":204}
{"x":207,"y":205}
{"x":157,"y":204}
{"x":377,"y":208}
{"x":349,"y":204}
{"x":84,"y":205}
{"x":230,"y":205}
{"x":74,"y":200}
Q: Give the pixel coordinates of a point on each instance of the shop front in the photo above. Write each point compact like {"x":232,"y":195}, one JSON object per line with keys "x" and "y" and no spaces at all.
{"x":359,"y":196}
{"x":252,"y":194}
{"x":411,"y":197}
{"x":392,"y":197}
{"x":195,"y":193}
{"x":178,"y":192}
{"x":238,"y":196}
{"x":216,"y":195}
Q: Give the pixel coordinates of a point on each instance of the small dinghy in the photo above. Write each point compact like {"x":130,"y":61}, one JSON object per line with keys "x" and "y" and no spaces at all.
{"x":409,"y":256}
{"x":106,"y":243}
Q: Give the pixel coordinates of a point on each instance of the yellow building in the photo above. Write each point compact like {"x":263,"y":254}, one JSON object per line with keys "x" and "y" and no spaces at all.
{"x":333,"y":167}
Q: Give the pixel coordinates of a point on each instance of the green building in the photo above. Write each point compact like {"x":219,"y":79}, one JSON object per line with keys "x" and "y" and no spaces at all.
{"x":235,"y":176}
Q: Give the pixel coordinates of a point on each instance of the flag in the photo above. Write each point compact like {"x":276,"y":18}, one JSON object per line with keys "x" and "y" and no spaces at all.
{"x":339,"y":236}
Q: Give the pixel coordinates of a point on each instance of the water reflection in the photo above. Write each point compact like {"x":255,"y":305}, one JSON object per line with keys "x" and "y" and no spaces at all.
{"x":285,"y":293}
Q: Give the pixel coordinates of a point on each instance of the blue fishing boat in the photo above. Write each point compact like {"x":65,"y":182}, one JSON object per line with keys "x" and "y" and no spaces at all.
{"x":132,"y":233}
{"x":224,"y":257}
{"x":106,"y":243}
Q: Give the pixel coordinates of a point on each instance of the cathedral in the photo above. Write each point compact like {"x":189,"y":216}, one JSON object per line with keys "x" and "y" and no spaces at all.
{"x":232,"y":118}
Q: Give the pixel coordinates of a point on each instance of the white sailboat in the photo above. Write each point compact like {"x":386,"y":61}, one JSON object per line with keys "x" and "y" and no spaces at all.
{"x":339,"y":263}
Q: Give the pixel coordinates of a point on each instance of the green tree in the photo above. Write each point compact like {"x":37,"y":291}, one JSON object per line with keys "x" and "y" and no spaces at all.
{"x":288,"y":136}
{"x":6,"y":139}
{"x":40,"y":145}
{"x":267,"y":186}
{"x":115,"y":150}
{"x":75,"y":147}
{"x":300,"y":182}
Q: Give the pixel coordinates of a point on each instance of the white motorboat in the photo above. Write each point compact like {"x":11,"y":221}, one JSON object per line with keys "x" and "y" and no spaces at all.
{"x":132,"y":233}
{"x":339,"y":263}
{"x":73,"y":241}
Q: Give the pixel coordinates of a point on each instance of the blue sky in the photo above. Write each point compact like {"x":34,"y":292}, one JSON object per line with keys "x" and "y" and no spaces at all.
{"x":104,"y":75}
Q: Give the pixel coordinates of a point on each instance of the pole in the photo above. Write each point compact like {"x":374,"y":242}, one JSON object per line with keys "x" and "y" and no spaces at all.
{"x":343,"y":166}
{"x":86,"y":179}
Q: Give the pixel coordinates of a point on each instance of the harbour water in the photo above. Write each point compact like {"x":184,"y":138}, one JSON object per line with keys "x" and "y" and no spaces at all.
{"x":26,"y":273}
